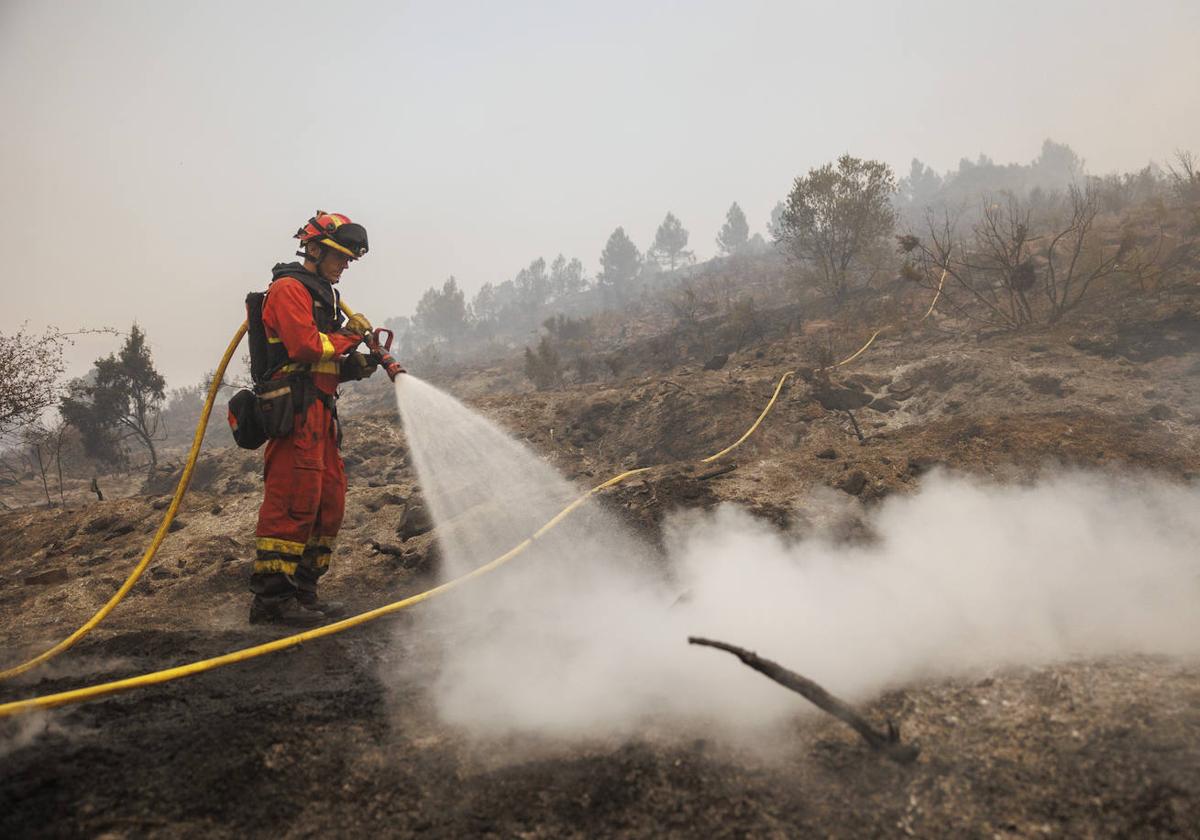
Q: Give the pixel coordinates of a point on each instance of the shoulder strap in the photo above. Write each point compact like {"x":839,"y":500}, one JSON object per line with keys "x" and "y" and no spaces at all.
{"x":327,"y":319}
{"x":256,"y":335}
{"x":325,"y":300}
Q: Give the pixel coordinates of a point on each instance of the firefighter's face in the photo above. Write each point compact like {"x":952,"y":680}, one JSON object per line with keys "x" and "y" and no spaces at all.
{"x":332,"y":264}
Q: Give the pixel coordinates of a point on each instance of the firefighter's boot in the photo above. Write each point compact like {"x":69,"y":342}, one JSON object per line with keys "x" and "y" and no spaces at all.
{"x":313,"y":564}
{"x":311,"y":601}
{"x":288,"y":613}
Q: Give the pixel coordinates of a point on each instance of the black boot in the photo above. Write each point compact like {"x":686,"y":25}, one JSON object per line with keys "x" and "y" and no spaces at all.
{"x":288,"y":613}
{"x":308,"y":600}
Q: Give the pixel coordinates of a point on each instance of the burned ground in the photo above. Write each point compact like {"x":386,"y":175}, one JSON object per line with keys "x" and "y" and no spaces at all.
{"x":316,"y":741}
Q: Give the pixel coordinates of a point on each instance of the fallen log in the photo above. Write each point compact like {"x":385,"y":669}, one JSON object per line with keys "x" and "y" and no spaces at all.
{"x":887,"y":743}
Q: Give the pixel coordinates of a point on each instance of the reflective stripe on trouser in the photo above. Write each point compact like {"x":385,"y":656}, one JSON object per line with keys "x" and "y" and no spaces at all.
{"x":304,"y":500}
{"x":314,"y":562}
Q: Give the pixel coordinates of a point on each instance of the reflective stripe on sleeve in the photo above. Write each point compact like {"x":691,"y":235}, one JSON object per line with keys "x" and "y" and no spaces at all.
{"x":327,"y":350}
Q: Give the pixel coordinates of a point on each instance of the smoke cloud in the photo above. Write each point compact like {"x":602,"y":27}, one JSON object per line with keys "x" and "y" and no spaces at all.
{"x":584,"y":635}
{"x":21,"y":731}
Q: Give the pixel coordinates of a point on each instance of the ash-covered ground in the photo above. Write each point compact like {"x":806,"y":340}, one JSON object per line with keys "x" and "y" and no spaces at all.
{"x":343,"y":736}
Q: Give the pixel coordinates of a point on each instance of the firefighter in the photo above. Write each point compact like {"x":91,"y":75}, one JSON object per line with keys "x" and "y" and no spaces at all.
{"x":309,"y":351}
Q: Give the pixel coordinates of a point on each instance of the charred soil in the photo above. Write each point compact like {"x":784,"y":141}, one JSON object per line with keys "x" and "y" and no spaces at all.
{"x":315,"y":741}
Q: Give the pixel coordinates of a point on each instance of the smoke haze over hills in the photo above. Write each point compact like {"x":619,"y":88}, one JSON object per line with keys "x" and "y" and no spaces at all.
{"x":157,"y":157}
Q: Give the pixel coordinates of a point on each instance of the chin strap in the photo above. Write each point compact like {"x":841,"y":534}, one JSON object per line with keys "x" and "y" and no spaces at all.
{"x":322,"y":250}
{"x":322,"y":253}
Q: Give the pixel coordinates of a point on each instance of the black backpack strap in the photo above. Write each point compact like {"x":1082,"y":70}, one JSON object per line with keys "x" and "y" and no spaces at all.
{"x":256,"y":335}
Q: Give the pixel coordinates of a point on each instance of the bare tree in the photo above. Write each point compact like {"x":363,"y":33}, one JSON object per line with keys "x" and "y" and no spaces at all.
{"x":1185,"y":177}
{"x":972,"y":291}
{"x":35,"y":439}
{"x":30,"y":370}
{"x":1027,"y":262}
{"x":1002,"y":251}
{"x":1077,"y":257}
{"x":45,"y":447}
{"x":688,"y":305}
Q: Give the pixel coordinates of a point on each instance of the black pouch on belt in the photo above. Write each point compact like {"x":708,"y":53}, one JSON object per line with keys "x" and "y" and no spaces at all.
{"x":277,"y":405}
{"x":245,"y":421}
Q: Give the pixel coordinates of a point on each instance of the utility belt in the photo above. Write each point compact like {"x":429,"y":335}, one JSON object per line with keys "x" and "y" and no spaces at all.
{"x":271,"y":409}
{"x":329,"y":366}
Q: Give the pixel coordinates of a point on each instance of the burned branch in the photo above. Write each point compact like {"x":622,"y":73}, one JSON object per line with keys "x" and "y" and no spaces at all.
{"x":716,"y":473}
{"x":887,"y":743}
{"x":854,"y":422}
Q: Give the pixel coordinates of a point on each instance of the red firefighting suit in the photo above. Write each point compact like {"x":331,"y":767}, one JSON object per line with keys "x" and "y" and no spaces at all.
{"x":305,"y":493}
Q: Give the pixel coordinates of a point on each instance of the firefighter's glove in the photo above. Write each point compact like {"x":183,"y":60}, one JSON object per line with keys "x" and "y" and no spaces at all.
{"x":351,"y":334}
{"x":358,"y":366}
{"x":359,"y":324}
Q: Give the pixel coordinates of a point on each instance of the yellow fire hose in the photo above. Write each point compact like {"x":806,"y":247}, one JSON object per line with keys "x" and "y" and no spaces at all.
{"x":104,"y":689}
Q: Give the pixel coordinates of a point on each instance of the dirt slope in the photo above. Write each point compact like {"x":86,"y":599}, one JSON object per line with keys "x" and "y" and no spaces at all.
{"x":312,"y":741}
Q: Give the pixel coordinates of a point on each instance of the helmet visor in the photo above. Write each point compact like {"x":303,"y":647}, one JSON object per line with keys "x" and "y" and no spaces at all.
{"x":352,"y":237}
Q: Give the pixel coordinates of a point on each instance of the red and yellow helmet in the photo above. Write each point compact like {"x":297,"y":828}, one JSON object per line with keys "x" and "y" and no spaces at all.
{"x":333,"y":230}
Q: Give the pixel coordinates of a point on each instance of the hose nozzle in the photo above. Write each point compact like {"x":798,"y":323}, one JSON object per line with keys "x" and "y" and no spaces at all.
{"x":380,"y":348}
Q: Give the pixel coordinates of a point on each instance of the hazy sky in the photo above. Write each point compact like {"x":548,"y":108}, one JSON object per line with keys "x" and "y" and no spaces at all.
{"x":157,"y":156}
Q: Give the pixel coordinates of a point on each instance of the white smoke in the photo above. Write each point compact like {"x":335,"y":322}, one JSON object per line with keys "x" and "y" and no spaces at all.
{"x":22,"y":730}
{"x":584,"y":635}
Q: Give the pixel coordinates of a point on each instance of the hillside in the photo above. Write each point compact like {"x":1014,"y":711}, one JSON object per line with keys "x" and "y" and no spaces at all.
{"x":326,"y":738}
